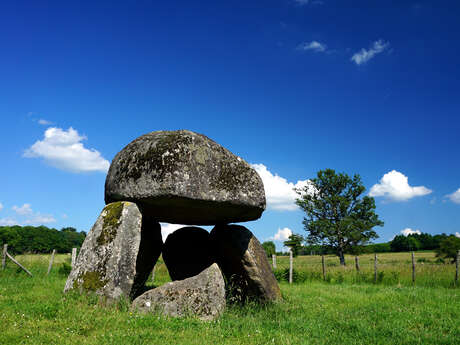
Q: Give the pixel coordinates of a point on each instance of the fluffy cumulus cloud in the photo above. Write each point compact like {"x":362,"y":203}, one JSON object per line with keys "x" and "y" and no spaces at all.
{"x":364,"y":55}
{"x":28,"y":216}
{"x":1,"y":206}
{"x":408,"y":231}
{"x":65,"y":150}
{"x":8,"y":222}
{"x":455,"y":196}
{"x":313,"y":46}
{"x":395,"y":186}
{"x":279,"y":192}
{"x":282,"y":235}
{"x":457,"y":234}
{"x":167,"y":229}
{"x":23,"y":210}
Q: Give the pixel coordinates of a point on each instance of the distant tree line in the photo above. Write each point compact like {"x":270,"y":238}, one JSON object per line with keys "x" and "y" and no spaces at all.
{"x":40,"y":239}
{"x":444,"y":245}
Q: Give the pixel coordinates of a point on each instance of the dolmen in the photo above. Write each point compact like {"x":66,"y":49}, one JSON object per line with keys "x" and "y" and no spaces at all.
{"x":178,"y":177}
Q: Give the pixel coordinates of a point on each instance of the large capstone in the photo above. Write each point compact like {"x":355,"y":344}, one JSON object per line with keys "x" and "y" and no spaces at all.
{"x":202,"y":296}
{"x":244,"y":263}
{"x":118,"y":253}
{"x":186,"y":252}
{"x":185,"y":178}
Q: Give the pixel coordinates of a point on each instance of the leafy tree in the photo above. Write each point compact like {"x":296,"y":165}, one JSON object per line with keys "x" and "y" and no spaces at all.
{"x":448,"y":248}
{"x":295,"y":243}
{"x":336,"y":215}
{"x":269,"y":248}
{"x":403,"y":243}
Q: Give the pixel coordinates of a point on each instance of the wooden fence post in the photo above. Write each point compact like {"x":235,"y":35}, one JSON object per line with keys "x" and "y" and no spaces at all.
{"x":5,"y":248}
{"x":375,"y":267}
{"x":17,"y":263}
{"x":153,"y":274}
{"x":74,"y":256}
{"x":456,"y":267}
{"x":413,"y":268}
{"x":51,"y":261}
{"x":290,"y":267}
{"x":357,"y":263}
{"x":274,"y":260}
{"x":324,"y":267}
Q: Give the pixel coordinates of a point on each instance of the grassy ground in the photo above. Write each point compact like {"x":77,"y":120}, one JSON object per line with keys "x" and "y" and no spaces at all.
{"x":35,"y":311}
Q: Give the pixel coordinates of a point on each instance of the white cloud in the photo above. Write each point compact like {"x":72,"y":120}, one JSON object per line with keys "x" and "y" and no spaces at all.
{"x":408,"y":231}
{"x":39,"y":219}
{"x":64,"y":150}
{"x":455,"y":196}
{"x":394,"y":185}
{"x":279,"y":192}
{"x":313,"y":45}
{"x":44,"y":122}
{"x":1,"y":206}
{"x":282,"y":235}
{"x":457,"y":234}
{"x":23,"y":210}
{"x":8,"y":222}
{"x":364,"y":55}
{"x":31,"y":217}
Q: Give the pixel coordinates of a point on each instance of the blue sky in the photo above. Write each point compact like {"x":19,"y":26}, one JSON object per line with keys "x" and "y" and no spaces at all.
{"x":290,"y":86}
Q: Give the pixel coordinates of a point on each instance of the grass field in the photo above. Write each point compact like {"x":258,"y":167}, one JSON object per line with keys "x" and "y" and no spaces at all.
{"x":33,"y":310}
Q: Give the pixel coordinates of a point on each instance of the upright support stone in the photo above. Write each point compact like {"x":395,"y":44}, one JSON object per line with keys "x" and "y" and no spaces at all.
{"x":244,"y":263}
{"x":118,"y":253}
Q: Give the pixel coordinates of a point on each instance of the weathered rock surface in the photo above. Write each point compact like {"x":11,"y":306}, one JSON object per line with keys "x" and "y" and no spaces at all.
{"x":244,"y":264}
{"x":202,"y":296}
{"x":185,"y":178}
{"x":118,"y":253}
{"x":186,"y":252}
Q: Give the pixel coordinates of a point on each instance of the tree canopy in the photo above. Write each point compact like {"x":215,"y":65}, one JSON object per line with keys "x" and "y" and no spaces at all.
{"x":335,"y":213}
{"x":269,"y":248}
{"x":295,"y":243}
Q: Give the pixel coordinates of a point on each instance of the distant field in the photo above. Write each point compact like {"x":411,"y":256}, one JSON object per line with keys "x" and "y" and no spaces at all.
{"x":33,"y":310}
{"x":393,"y":268}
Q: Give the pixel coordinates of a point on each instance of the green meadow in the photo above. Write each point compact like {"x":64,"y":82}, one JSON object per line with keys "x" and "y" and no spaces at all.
{"x":344,"y":309}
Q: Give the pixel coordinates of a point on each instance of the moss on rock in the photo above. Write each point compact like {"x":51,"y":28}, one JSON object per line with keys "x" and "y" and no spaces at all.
{"x":111,"y":222}
{"x":91,"y":281}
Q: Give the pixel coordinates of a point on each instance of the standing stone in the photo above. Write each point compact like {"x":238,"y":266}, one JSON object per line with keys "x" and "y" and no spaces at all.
{"x":244,"y":264}
{"x":118,"y":253}
{"x":185,"y":178}
{"x":186,"y":252}
{"x":202,"y":296}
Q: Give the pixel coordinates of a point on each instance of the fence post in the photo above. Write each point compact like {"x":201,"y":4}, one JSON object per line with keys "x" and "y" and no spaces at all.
{"x":413,"y":268}
{"x":153,"y":274}
{"x":375,"y":267}
{"x":274,"y":260}
{"x":290,"y":267}
{"x":324,"y":267}
{"x":51,"y":261}
{"x":456,"y":267}
{"x":357,"y":263}
{"x":5,"y":248}
{"x":74,"y":256}
{"x":17,"y":263}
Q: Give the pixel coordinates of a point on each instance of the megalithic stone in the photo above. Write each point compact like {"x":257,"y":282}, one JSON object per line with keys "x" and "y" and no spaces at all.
{"x":118,"y":253}
{"x":244,"y":263}
{"x":183,"y":177}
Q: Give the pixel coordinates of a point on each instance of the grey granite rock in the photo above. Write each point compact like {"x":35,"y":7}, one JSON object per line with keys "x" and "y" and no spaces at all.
{"x":118,"y":253}
{"x":244,"y":264}
{"x":185,"y":178}
{"x":202,"y":296}
{"x":186,"y":252}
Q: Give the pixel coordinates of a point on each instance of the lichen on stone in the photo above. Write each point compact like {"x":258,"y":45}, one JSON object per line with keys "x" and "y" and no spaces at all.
{"x":90,"y":281}
{"x":111,"y":221}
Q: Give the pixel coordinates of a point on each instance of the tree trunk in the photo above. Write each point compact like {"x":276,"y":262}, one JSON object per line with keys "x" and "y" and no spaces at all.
{"x":342,"y":257}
